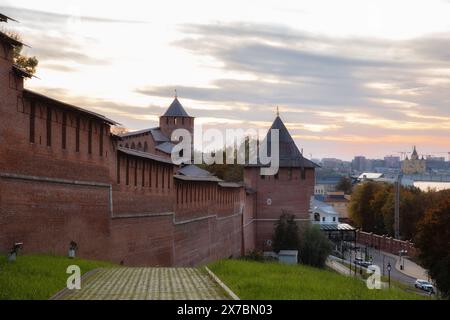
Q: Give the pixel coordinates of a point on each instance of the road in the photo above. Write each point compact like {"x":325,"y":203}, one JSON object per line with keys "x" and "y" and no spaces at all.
{"x":380,"y":259}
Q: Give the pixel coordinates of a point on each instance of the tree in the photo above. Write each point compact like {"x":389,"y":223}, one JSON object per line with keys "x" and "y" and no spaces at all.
{"x":29,"y":64}
{"x":380,"y":205}
{"x":231,"y":172}
{"x":286,"y":235}
{"x":433,"y":242}
{"x":361,"y":211}
{"x":412,"y":210}
{"x":314,"y":246}
{"x":119,"y":130}
{"x":345,"y":184}
{"x":372,"y":208}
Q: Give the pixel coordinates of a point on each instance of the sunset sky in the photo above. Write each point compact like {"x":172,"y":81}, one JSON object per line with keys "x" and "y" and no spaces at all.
{"x":350,"y":77}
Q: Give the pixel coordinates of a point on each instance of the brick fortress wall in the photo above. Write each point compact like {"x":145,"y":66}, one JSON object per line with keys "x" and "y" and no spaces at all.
{"x":63,"y":178}
{"x":386,"y":243}
{"x":287,"y":192}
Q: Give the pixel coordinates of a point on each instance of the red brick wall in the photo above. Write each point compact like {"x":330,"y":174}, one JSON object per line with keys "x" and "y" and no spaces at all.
{"x":24,"y":157}
{"x":50,"y":195}
{"x":249,"y":222}
{"x":142,"y":240}
{"x":52,"y":214}
{"x":156,"y":240}
{"x":385,"y":243}
{"x":168,"y":125}
{"x":289,"y":192}
{"x":140,"y":141}
{"x":47,"y":216}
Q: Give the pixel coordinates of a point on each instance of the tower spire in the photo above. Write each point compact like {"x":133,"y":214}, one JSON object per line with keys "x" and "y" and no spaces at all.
{"x":176,"y":94}
{"x":278,"y":111}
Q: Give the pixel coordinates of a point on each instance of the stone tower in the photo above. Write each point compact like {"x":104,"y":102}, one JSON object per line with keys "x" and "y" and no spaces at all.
{"x":289,"y":191}
{"x":175,"y":118}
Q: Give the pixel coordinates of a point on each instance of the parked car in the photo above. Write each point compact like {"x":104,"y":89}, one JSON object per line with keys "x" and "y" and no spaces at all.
{"x":424,"y":285}
{"x":361,"y":262}
{"x":365,"y":264}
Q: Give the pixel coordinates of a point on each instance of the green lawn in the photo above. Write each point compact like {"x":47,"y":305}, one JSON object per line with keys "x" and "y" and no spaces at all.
{"x":257,"y":280}
{"x":38,"y":276}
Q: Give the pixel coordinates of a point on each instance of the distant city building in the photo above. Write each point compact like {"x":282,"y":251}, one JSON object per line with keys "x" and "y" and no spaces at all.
{"x":414,"y":165}
{"x":331,"y":163}
{"x":376,"y":164}
{"x":369,"y":165}
{"x":436,"y":163}
{"x":359,"y":163}
{"x":326,"y":184}
{"x":438,"y":159}
{"x":347,"y":164}
{"x":392,"y":162}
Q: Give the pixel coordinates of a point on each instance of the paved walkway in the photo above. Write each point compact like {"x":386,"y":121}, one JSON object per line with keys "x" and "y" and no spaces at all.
{"x":148,"y":284}
{"x":333,"y":264}
{"x":411,"y":269}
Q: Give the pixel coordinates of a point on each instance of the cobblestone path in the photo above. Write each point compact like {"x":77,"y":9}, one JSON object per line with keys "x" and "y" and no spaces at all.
{"x":148,"y":284}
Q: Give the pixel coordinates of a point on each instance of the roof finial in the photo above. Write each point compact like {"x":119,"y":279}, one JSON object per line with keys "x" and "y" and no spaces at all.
{"x":278,"y":112}
{"x":176,"y":94}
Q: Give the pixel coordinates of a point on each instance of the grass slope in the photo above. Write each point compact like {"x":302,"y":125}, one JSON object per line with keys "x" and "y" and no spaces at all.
{"x":256,"y":280}
{"x":38,"y":277}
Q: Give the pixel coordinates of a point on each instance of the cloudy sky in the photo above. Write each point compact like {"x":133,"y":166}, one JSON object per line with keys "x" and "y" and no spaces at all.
{"x":350,"y":77}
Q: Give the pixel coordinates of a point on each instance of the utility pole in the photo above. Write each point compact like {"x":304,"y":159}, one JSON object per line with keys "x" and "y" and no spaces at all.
{"x":397,"y":206}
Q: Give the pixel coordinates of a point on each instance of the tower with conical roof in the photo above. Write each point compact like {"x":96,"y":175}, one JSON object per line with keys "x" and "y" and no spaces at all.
{"x":289,"y":154}
{"x":414,"y":155}
{"x":174,"y":118}
{"x":288,"y":191}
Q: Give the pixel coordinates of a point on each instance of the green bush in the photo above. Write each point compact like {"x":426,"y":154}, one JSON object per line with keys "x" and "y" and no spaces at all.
{"x":314,"y":246}
{"x":255,"y":255}
{"x":286,"y":236}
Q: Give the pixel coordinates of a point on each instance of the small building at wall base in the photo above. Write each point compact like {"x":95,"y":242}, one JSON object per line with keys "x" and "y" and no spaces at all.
{"x":327,"y":218}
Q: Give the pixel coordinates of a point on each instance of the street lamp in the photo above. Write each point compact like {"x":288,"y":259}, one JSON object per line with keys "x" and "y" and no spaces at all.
{"x":389,"y":273}
{"x":73,"y":246}
{"x":350,"y":259}
{"x":402,"y":255}
{"x":15,"y":251}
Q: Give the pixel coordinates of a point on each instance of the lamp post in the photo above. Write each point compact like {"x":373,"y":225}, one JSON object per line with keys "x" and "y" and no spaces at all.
{"x":15,"y":251}
{"x":405,"y":252}
{"x":73,"y":246}
{"x":350,"y":259}
{"x":402,"y":255}
{"x":389,"y":273}
{"x":397,"y":206}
